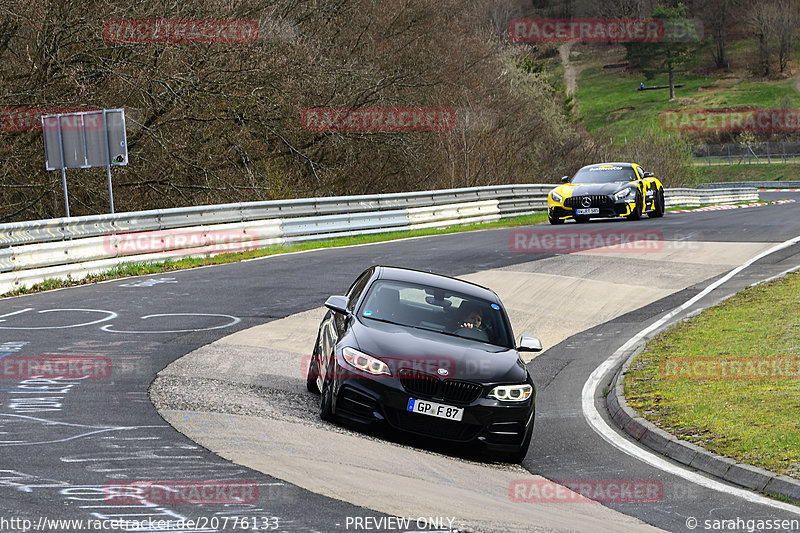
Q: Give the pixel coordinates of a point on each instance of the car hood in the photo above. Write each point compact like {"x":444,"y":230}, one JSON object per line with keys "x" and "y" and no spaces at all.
{"x":426,"y":351}
{"x":586,"y":189}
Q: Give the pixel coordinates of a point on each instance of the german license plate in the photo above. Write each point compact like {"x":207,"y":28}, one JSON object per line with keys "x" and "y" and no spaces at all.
{"x":588,"y":211}
{"x":438,"y":410}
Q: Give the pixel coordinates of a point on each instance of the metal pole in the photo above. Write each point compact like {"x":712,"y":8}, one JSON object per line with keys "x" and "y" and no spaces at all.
{"x":63,"y":164}
{"x":64,"y":184}
{"x":108,"y":163}
{"x":110,"y":192}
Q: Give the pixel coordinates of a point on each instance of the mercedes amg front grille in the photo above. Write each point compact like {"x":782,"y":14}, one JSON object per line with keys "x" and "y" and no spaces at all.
{"x":595,"y":200}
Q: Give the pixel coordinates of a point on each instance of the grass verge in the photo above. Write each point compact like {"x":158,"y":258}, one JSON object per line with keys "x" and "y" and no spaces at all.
{"x":141,"y":269}
{"x":609,"y":99}
{"x":745,"y":415}
{"x":754,"y":172}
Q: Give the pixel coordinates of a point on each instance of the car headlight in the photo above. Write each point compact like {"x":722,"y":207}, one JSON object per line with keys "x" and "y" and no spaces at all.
{"x":365,"y":363}
{"x":624,"y":193}
{"x":556,"y":197}
{"x":511,"y":393}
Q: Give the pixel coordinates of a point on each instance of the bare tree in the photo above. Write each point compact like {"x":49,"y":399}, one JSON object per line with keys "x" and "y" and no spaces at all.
{"x":220,"y":122}
{"x":787,"y":19}
{"x":762,"y":19}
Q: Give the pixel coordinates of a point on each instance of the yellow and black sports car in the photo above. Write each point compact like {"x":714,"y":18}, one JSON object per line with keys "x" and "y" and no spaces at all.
{"x":606,"y":190}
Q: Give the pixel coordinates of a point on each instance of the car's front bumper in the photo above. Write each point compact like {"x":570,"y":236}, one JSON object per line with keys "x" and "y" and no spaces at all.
{"x":382,"y":401}
{"x":607,"y":209}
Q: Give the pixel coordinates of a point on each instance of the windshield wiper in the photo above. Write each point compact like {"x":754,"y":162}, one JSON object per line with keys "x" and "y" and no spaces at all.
{"x":383,"y":320}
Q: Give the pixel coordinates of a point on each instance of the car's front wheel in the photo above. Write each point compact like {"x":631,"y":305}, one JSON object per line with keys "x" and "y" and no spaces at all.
{"x":326,"y":400}
{"x":313,"y":374}
{"x":658,"y":211}
{"x":636,"y":214}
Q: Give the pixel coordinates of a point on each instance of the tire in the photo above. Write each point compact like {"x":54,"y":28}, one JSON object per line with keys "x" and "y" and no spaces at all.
{"x":311,"y":376}
{"x":658,"y":212}
{"x":636,"y":214}
{"x":555,"y":221}
{"x":326,"y":401}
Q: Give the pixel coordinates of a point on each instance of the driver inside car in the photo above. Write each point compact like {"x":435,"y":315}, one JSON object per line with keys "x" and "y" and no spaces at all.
{"x":471,"y":324}
{"x":471,"y":318}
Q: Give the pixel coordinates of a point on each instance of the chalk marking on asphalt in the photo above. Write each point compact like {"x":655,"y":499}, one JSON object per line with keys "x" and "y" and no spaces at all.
{"x":599,"y":425}
{"x":234,"y":320}
{"x":111,"y":315}
{"x":3,"y":317}
{"x":45,"y":422}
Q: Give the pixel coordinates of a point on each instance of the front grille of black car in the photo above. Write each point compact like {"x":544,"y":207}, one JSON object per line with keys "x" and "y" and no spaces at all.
{"x":460,"y":391}
{"x":598,"y":200}
{"x":419,"y":383}
{"x":433,"y":427}
{"x":430,"y":386}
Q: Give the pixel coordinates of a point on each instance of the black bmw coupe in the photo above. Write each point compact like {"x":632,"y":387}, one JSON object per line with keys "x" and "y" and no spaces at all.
{"x":425,"y":354}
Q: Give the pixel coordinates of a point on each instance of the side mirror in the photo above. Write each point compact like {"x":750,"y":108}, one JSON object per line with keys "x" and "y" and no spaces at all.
{"x":529,"y":343}
{"x":648,"y":175}
{"x":337,"y":304}
{"x":564,"y":179}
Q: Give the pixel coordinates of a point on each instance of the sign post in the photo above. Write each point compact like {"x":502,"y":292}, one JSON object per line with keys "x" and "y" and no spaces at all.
{"x":85,"y":139}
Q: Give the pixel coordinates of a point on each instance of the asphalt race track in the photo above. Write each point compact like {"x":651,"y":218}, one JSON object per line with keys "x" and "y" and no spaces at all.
{"x":63,"y":441}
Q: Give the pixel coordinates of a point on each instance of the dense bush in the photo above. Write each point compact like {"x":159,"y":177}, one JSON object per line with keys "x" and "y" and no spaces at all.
{"x":213,"y":123}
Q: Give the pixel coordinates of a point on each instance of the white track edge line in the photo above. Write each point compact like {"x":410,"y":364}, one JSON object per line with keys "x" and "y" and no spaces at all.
{"x":599,"y":425}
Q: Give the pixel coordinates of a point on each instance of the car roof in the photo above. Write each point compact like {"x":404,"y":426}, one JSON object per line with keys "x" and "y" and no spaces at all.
{"x":610,"y":164}
{"x":436,"y":280}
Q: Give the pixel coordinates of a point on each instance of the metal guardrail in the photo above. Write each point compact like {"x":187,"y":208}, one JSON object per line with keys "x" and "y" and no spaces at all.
{"x":694,"y":197}
{"x":756,"y":184}
{"x":33,"y":251}
{"x":89,"y":226}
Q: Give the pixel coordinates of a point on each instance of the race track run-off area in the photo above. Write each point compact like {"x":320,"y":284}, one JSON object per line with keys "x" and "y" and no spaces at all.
{"x":222,"y":352}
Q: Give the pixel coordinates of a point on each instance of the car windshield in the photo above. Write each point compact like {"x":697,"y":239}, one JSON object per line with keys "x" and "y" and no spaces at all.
{"x":436,"y":309}
{"x":604,"y":174}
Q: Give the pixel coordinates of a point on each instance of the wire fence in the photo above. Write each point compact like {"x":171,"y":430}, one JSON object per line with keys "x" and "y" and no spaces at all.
{"x":751,"y":153}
